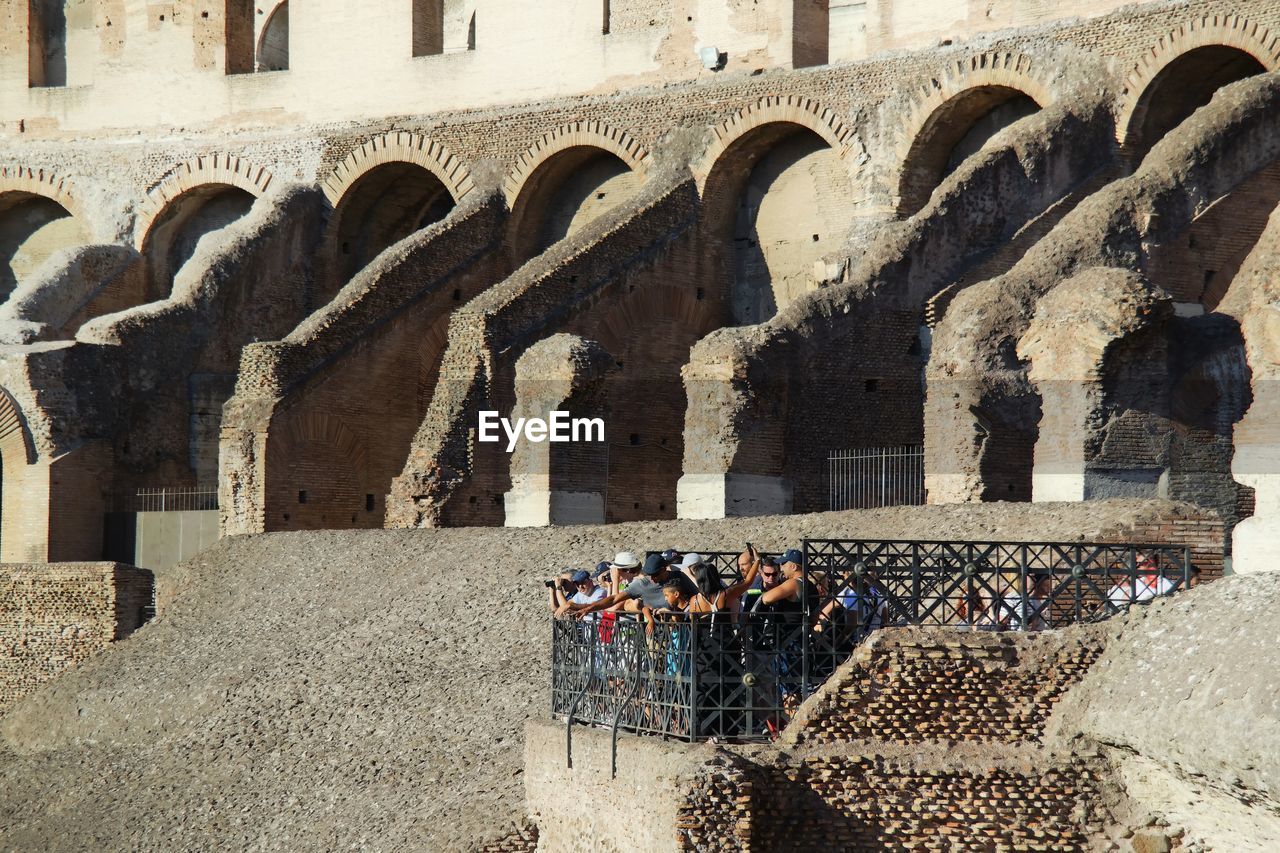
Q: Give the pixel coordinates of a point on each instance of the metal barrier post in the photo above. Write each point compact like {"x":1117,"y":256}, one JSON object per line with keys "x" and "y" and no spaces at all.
{"x":631,"y":695}
{"x":573,"y":709}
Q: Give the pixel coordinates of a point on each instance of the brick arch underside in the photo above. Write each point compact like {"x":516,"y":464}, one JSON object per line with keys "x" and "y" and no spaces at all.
{"x":1226,"y":44}
{"x":345,"y":436}
{"x":955,"y":111}
{"x":17,"y":454}
{"x":568,"y":178}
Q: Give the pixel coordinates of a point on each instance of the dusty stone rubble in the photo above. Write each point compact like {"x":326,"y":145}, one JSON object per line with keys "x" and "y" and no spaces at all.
{"x":324,"y":689}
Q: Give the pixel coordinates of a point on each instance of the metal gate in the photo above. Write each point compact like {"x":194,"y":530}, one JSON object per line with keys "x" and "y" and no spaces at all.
{"x":871,"y":477}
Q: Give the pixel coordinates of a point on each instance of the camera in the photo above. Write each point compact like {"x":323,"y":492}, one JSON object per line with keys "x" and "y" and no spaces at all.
{"x":548,"y":584}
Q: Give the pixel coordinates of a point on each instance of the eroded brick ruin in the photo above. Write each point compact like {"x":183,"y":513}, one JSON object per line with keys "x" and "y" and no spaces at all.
{"x":1038,"y":247}
{"x":262,"y":271}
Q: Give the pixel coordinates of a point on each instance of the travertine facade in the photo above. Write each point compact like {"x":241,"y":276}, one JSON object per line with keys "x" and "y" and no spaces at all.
{"x":290,"y":253}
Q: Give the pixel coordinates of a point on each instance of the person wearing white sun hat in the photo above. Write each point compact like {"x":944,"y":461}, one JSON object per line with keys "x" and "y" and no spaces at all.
{"x":622,"y":571}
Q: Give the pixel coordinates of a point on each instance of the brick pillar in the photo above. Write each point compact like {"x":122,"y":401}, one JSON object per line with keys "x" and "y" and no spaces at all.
{"x":734,"y":432}
{"x":1076,"y":333}
{"x":560,"y":483}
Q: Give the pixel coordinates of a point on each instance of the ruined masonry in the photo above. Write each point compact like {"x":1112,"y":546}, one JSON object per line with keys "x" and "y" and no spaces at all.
{"x":282,"y":285}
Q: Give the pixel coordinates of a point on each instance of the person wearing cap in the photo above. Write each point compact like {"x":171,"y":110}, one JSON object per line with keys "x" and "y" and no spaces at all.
{"x":647,"y":591}
{"x":790,"y":595}
{"x":588,"y":593}
{"x":688,"y":565}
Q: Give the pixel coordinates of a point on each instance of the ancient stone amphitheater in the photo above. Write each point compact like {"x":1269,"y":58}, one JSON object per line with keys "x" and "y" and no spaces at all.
{"x":261,"y":273}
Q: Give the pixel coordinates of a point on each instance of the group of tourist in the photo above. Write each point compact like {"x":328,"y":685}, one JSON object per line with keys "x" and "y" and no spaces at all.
{"x":672,"y":582}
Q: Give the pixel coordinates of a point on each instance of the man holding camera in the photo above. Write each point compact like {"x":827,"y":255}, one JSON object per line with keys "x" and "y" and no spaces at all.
{"x":572,"y":591}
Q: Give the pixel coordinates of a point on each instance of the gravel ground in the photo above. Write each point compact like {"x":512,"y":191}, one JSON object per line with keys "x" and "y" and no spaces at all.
{"x":358,"y":690}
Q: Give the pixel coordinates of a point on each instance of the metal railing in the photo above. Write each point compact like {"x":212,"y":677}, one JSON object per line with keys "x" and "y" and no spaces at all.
{"x":872,"y":477}
{"x":171,"y":499}
{"x":682,"y":678}
{"x":741,"y":675}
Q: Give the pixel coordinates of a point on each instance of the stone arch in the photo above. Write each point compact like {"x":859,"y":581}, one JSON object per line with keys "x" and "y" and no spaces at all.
{"x":39,"y":215}
{"x":388,"y":188}
{"x":1214,"y":36}
{"x":22,"y":179}
{"x":581,"y":134}
{"x":777,"y":186}
{"x":217,"y":169}
{"x":946,"y":109}
{"x":774,"y":110}
{"x":602,"y":155}
{"x":399,"y":148}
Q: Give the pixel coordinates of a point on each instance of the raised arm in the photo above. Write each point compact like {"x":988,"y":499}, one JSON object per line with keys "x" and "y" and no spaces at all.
{"x":781,"y":592}
{"x":736,"y":591}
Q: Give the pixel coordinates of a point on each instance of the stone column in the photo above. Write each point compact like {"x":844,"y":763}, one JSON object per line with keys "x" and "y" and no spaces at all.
{"x":560,"y":482}
{"x":1076,"y":328}
{"x":727,"y":430}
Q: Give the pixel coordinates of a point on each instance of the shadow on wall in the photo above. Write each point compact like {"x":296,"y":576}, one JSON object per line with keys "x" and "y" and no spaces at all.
{"x":173,"y":237}
{"x":31,"y":229}
{"x":793,"y":209}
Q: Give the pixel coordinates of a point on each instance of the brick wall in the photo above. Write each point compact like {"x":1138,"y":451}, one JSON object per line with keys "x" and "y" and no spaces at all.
{"x":877,"y":802}
{"x":1206,"y":534}
{"x":917,"y":686}
{"x":53,"y":617}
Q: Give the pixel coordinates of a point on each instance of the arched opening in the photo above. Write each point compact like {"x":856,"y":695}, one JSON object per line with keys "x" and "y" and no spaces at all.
{"x":174,"y":235}
{"x":959,"y":128}
{"x":32,"y":228}
{"x":1183,"y":86}
{"x":387,"y":204}
{"x":792,"y":209}
{"x":571,"y":189}
{"x":273,"y":44}
{"x":777,"y":200}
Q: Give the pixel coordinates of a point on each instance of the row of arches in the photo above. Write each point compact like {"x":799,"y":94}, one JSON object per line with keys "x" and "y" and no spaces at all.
{"x":775,"y":184}
{"x":952,"y":117}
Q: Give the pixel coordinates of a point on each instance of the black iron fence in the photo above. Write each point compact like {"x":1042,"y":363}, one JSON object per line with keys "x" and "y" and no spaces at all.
{"x":741,"y":675}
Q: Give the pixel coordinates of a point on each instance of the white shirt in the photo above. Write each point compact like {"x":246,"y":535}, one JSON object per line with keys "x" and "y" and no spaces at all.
{"x":590,"y":598}
{"x":1145,"y":588}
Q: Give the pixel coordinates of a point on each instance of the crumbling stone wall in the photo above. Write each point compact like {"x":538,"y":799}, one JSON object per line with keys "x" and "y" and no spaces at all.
{"x":615,"y":267}
{"x":125,"y":416}
{"x":856,"y":346}
{"x":919,"y":686}
{"x":321,"y":422}
{"x":54,"y":617}
{"x":974,"y":385}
